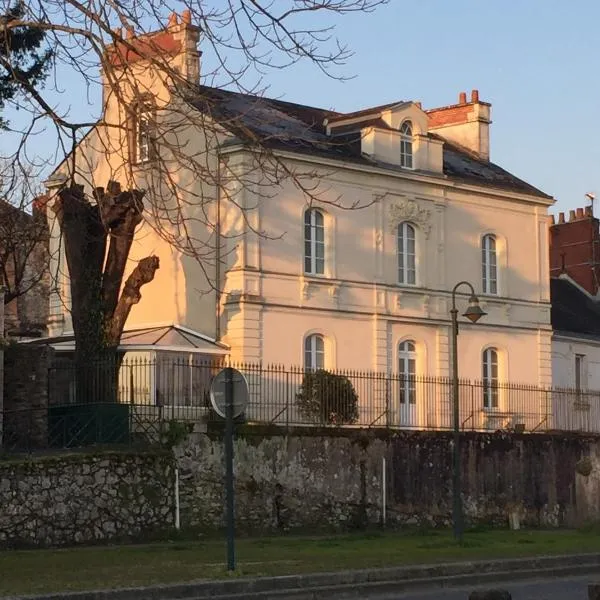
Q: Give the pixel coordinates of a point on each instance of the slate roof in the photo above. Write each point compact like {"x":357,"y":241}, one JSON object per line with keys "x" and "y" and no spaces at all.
{"x":299,"y":128}
{"x":573,"y":311}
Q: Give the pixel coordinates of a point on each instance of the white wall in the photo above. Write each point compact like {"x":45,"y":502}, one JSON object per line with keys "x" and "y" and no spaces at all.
{"x":564,"y":350}
{"x":358,"y":303}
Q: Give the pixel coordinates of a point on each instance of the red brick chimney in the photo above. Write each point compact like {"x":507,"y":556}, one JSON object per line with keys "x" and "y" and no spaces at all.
{"x":177,"y":42}
{"x":575,"y":248}
{"x":466,"y":123}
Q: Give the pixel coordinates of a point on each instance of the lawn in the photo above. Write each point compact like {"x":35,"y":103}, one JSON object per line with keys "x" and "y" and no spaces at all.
{"x":37,"y":571}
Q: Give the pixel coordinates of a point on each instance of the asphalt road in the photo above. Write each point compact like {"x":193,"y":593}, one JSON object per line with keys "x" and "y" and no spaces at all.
{"x":553,"y":589}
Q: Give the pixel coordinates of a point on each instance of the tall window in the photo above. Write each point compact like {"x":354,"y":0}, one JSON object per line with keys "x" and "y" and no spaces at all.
{"x":579,"y":358}
{"x":490,"y":378}
{"x":407,"y":271}
{"x":314,"y":242}
{"x":314,"y":352}
{"x":407,"y":363}
{"x":143,"y":131}
{"x":489,"y":269}
{"x":406,"y":143}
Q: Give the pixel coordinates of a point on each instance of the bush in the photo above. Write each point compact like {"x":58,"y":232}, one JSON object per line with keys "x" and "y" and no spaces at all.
{"x":328,"y":398}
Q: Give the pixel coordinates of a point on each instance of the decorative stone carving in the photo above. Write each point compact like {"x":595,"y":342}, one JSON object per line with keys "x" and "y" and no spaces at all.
{"x":398,"y":300}
{"x":409,"y":210}
{"x":334,"y":293}
{"x":304,"y":289}
{"x":427,"y":306}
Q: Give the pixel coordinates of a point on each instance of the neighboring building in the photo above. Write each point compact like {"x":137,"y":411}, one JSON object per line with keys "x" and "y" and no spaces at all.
{"x":575,"y":267}
{"x":24,"y":270}
{"x":366,"y":289}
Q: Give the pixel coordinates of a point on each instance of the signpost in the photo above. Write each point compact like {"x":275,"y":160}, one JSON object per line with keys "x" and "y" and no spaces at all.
{"x":229,"y":398}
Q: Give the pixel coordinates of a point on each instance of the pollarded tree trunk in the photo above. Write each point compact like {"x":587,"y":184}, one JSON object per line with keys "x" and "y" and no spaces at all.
{"x":97,"y":237}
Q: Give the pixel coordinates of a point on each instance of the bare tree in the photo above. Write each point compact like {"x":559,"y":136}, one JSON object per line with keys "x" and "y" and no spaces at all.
{"x":160,"y":126}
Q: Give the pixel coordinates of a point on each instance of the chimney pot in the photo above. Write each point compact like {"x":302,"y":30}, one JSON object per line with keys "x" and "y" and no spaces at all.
{"x":130,"y":33}
{"x":572,"y":216}
{"x":118,"y":32}
{"x":589,"y":211}
{"x":561,"y":217}
{"x":580,"y":213}
{"x":173,"y":19}
{"x":474,"y":96}
{"x":462,"y":98}
{"x":186,"y":16}
{"x":552,"y":220}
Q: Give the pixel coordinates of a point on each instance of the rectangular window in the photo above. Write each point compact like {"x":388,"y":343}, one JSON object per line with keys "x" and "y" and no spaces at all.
{"x":314,"y":242}
{"x":489,"y":268}
{"x":579,"y":372}
{"x":407,"y":260}
{"x":490,"y":378}
{"x":143,"y":138}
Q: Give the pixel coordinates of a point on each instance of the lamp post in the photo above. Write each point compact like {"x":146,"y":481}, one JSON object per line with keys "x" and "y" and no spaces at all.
{"x":474,"y":312}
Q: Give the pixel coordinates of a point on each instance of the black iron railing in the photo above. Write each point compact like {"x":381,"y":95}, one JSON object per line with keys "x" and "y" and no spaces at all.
{"x":134,"y":400}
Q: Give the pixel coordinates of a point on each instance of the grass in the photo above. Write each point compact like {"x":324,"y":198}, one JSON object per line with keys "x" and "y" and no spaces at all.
{"x":39,"y":571}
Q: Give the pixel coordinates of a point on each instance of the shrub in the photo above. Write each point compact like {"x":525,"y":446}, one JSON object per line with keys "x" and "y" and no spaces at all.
{"x":328,"y":398}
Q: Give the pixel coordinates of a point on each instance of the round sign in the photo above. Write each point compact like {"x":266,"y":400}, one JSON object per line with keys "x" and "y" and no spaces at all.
{"x":240,"y":392}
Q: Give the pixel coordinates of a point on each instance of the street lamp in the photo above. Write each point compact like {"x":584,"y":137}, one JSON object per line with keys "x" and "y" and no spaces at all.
{"x":474,"y":312}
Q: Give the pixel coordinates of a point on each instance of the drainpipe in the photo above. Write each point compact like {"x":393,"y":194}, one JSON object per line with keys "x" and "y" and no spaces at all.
{"x":218,"y":257}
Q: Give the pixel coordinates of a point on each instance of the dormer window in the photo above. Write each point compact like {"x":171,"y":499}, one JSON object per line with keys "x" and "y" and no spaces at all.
{"x":406,"y":145}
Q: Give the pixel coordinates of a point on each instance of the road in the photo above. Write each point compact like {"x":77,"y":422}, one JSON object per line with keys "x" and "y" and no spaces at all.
{"x":549,"y":589}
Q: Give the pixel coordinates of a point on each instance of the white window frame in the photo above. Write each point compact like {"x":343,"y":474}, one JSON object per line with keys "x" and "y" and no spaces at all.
{"x":407,"y":370}
{"x":489,"y":264}
{"x":144,"y":132}
{"x":314,"y":224}
{"x":406,"y":260}
{"x":490,"y":378}
{"x":314,"y":352}
{"x":580,"y":373}
{"x":406,"y":145}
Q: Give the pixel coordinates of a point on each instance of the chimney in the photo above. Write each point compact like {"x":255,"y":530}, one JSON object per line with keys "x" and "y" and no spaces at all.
{"x":465,"y":123}
{"x":177,"y":42}
{"x":575,"y":248}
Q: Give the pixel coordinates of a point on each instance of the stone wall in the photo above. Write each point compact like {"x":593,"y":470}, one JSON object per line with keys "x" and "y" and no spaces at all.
{"x":76,"y":498}
{"x":301,"y":482}
{"x":26,"y":373}
{"x":316,"y":482}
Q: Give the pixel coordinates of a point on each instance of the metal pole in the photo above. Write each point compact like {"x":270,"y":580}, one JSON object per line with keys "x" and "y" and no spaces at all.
{"x":456,"y":495}
{"x":230,"y":514}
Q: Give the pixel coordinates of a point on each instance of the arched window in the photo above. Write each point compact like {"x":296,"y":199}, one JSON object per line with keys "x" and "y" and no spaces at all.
{"x":407,"y":367}
{"x":490,"y":378}
{"x":489,"y":262}
{"x":407,"y":270}
{"x":314,"y":242}
{"x":144,"y":131}
{"x":314,"y":352}
{"x":406,"y":143}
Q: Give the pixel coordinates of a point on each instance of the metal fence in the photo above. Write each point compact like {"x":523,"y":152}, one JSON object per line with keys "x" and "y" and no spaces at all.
{"x":138,"y":399}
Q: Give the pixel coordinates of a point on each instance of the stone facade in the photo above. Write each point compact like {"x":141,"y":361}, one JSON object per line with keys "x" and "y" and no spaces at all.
{"x":72,"y":499}
{"x":27,"y":314}
{"x":26,"y":386}
{"x":300,"y":483}
{"x":308,"y":482}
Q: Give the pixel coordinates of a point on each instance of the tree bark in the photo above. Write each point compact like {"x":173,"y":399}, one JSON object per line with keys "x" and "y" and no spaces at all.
{"x":99,"y":313}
